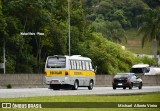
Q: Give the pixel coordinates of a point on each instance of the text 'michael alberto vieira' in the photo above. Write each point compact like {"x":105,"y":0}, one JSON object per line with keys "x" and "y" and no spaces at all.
{"x":137,"y":105}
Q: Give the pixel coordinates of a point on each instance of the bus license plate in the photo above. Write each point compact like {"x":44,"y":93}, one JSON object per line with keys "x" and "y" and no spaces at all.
{"x":55,"y":81}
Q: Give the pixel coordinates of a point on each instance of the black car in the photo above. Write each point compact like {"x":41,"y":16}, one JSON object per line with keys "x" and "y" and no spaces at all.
{"x":124,"y":80}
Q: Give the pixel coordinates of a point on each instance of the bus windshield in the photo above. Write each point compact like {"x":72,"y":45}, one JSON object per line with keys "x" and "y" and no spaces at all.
{"x":56,"y":62}
{"x":137,"y":70}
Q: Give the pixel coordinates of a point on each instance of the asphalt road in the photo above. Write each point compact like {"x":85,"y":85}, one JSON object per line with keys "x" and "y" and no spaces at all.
{"x":33,"y":92}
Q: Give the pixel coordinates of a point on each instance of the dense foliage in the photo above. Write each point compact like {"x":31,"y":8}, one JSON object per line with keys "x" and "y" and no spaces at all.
{"x":95,"y":26}
{"x":150,"y":28}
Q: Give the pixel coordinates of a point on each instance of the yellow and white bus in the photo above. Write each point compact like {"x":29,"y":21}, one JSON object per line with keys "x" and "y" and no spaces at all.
{"x":69,"y":72}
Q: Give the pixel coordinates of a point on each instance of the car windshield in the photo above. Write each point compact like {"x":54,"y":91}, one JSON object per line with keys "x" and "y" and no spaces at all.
{"x":121,"y":75}
{"x":56,"y":62}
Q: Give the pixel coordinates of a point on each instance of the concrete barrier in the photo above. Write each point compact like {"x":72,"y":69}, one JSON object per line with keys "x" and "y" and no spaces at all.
{"x":38,"y":80}
{"x":22,"y":80}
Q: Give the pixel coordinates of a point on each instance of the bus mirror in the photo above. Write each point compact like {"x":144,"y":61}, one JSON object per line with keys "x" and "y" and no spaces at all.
{"x":95,"y":69}
{"x":148,"y":69}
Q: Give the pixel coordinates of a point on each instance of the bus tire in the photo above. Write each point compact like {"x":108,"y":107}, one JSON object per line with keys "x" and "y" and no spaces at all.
{"x":130,"y":86}
{"x":90,"y":87}
{"x":75,"y":86}
{"x":140,"y":86}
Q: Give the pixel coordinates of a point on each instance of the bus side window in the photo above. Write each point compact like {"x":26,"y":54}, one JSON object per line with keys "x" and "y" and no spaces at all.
{"x":87,"y":65}
{"x":80,"y":65}
{"x":90,"y":66}
{"x":84,"y":65}
{"x":70,"y":64}
{"x":74,"y":63}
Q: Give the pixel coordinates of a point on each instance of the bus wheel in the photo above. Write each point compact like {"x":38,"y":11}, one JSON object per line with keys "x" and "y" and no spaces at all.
{"x":130,"y":86}
{"x":75,"y":86}
{"x":140,"y":86}
{"x":90,"y":87}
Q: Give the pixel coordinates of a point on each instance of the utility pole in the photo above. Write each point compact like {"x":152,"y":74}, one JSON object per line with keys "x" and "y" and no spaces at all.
{"x":69,"y":44}
{"x":4,"y":58}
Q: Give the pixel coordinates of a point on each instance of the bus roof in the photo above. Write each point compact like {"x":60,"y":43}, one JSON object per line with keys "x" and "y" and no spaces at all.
{"x":73,"y":57}
{"x":140,"y":66}
{"x":79,"y":57}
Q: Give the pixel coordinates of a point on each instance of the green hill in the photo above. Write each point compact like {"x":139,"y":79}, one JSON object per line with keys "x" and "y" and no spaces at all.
{"x":134,"y":43}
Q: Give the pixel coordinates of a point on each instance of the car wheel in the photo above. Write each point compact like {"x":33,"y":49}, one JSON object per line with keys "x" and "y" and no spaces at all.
{"x":130,"y":86}
{"x":114,"y":87}
{"x":140,"y":86}
{"x":90,"y":87}
{"x":124,"y":87}
{"x":75,"y":86}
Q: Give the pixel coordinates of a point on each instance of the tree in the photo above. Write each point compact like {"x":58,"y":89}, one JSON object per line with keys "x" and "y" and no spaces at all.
{"x":25,"y":16}
{"x":113,"y":31}
{"x":27,"y":54}
{"x":49,"y":17}
{"x":124,"y":11}
{"x":152,"y":3}
{"x":3,"y":25}
{"x":150,"y":28}
{"x":109,"y":57}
